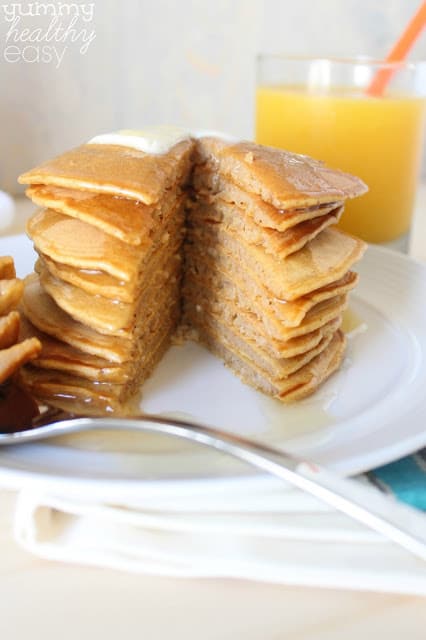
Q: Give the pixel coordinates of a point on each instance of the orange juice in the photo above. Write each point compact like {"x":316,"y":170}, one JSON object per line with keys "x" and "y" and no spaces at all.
{"x":377,"y":139}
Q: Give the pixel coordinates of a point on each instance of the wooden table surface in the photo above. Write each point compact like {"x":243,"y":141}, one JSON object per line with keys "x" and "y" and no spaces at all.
{"x":49,"y":600}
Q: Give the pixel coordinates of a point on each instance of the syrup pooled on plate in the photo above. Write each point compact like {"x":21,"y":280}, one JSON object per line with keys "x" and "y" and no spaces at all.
{"x":17,"y":408}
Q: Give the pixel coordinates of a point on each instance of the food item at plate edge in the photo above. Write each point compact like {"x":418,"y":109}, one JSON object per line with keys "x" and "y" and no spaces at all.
{"x":259,"y":277}
{"x":17,"y":408}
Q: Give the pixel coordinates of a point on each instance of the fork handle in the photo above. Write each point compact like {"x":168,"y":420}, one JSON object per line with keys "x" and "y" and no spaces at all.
{"x":394,"y":520}
{"x":398,"y":522}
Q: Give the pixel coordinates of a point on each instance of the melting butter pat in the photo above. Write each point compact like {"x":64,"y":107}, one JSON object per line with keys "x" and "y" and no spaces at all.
{"x":154,"y":140}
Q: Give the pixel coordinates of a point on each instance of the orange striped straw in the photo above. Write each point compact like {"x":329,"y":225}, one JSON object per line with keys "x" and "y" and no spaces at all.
{"x":398,"y":52}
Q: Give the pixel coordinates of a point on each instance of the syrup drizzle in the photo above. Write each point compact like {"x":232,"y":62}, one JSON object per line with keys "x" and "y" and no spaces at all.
{"x":17,"y":408}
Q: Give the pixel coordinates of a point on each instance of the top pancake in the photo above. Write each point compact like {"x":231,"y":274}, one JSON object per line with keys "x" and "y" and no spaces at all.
{"x":122,"y":171}
{"x":284,"y":179}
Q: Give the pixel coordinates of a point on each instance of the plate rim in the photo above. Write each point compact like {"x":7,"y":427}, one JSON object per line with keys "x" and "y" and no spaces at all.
{"x":354,"y":464}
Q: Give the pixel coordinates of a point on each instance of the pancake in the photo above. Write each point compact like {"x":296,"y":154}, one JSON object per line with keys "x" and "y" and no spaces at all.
{"x":238,"y":284}
{"x":283,"y":179}
{"x":97,"y":282}
{"x":80,"y":395}
{"x":251,"y":318}
{"x":322,"y":261}
{"x":297,"y":386}
{"x":44,"y":313}
{"x":248,"y":348}
{"x":102,"y":314}
{"x":279,"y":244}
{"x":284,"y":347}
{"x":47,"y":317}
{"x":60,"y":356}
{"x":120,"y":171}
{"x":83,"y":246}
{"x":109,"y":316}
{"x":210,"y":188}
{"x":92,"y":281}
{"x":128,"y":220}
{"x":72,"y":393}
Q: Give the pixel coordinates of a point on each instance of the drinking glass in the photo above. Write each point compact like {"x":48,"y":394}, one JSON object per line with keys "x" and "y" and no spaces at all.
{"x":321,"y":107}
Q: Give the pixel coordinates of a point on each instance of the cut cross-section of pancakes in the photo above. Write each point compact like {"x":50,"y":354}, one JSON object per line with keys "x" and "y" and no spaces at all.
{"x":107,"y":290}
{"x":266,"y":279}
{"x":232,"y":243}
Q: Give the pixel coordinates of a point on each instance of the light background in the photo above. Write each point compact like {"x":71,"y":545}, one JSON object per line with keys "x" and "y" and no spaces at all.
{"x":182,"y":62}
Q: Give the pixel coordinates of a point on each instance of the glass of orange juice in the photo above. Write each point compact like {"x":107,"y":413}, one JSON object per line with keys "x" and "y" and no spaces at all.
{"x":322,"y":108}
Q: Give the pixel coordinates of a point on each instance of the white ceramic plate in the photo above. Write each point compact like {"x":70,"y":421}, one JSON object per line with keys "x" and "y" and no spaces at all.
{"x":369,"y":413}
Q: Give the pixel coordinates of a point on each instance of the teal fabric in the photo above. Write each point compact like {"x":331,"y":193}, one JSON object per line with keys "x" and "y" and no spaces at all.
{"x":405,"y":479}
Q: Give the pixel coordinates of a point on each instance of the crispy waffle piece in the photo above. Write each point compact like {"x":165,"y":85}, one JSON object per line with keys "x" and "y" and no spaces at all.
{"x":13,"y":358}
{"x":10,"y":294}
{"x":9,"y":329}
{"x":7,"y":268}
{"x":17,"y":408}
{"x":13,"y":354}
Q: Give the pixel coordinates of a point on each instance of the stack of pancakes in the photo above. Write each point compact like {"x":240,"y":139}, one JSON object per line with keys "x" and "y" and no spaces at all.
{"x":105,"y":298}
{"x":265,"y":277}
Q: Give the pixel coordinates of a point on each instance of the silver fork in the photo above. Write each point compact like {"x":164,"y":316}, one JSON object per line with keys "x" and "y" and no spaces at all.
{"x":396,"y":521}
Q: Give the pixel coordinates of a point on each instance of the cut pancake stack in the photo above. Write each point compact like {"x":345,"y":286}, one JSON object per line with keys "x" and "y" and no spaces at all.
{"x":265,"y":277}
{"x":105,"y":298}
